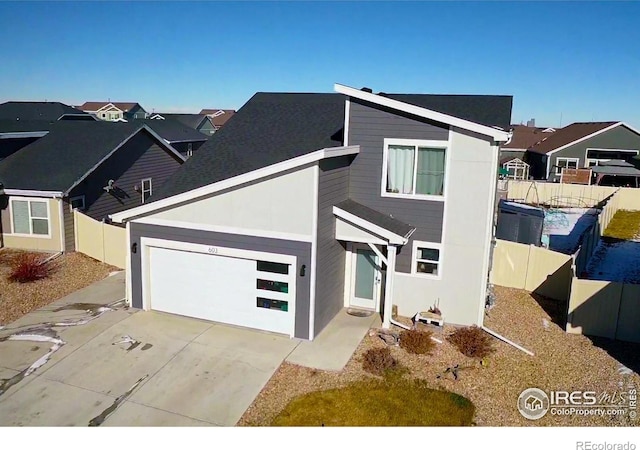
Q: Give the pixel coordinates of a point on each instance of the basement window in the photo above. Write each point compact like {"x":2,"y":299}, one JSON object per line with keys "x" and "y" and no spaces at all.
{"x":427,"y":259}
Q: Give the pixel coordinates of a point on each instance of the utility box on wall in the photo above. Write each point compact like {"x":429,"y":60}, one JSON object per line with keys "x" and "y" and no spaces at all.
{"x":520,"y":223}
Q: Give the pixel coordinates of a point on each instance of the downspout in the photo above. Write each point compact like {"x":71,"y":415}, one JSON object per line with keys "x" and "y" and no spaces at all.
{"x":504,"y":339}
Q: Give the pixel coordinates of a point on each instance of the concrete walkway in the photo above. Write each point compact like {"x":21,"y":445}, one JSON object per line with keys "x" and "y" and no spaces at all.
{"x":335,"y":345}
{"x":123,"y":367}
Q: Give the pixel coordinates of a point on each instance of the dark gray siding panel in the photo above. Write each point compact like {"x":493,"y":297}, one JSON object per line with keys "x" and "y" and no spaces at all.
{"x":301,"y":250}
{"x":368,"y":127}
{"x":5,"y":220}
{"x":619,"y":138}
{"x":141,"y":157}
{"x":538,"y":165}
{"x":333,"y":187}
{"x":69,"y":229}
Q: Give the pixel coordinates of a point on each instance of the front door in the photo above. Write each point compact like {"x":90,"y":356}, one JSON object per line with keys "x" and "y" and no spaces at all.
{"x":365,"y":277}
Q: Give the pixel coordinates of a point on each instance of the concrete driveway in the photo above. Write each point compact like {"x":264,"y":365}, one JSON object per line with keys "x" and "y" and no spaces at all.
{"x":119,"y":367}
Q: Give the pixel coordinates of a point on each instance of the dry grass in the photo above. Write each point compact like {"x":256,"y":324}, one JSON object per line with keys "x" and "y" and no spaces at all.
{"x":71,"y":272}
{"x":394,"y":401}
{"x":623,"y":225}
{"x":561,"y":361}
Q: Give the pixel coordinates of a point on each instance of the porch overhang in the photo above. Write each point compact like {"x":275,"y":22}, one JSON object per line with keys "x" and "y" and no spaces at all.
{"x":359,"y":223}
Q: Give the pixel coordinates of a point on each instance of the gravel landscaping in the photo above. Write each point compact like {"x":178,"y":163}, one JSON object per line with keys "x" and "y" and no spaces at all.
{"x":72,"y":271}
{"x":561,"y":362}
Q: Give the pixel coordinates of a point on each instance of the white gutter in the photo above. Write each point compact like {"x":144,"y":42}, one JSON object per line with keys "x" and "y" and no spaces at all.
{"x":504,"y":339}
{"x":23,"y":134}
{"x":32,"y":193}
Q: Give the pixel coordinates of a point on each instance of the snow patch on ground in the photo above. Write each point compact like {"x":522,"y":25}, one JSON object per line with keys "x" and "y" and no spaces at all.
{"x":563,"y":228}
{"x":616,"y":261}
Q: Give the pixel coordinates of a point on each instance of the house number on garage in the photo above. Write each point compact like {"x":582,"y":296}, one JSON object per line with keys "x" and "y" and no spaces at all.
{"x":212,"y":250}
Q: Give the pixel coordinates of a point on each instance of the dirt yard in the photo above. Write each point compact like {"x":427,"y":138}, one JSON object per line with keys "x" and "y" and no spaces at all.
{"x":71,"y":272}
{"x":561,"y":362}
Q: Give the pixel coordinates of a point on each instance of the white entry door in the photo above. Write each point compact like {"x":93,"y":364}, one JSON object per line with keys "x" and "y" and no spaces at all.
{"x":365,"y":277}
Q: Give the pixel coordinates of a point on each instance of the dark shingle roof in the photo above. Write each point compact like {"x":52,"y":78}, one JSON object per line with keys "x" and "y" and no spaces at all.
{"x":190,"y":120}
{"x":22,"y":126}
{"x":172,"y":130}
{"x":376,"y":217}
{"x":94,"y":106}
{"x":274,"y":127}
{"x":568,"y":135}
{"x":56,"y":161}
{"x":524,"y":137}
{"x":268,"y":129}
{"x":36,"y":111}
{"x":490,"y":110}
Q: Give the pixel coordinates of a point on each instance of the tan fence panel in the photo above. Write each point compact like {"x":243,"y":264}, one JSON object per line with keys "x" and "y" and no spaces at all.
{"x":593,"y":307}
{"x":510,"y":262}
{"x":106,"y":243}
{"x":558,"y":193}
{"x":89,"y":238}
{"x":549,"y":273}
{"x":115,"y":245}
{"x":629,"y":199}
{"x":629,"y":316}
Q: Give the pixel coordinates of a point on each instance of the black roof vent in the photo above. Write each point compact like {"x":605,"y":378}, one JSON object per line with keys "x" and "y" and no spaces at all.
{"x":366,"y":89}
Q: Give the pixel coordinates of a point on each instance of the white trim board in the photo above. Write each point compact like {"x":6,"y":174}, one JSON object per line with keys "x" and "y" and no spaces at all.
{"x":23,"y":134}
{"x":373,"y":228}
{"x":248,"y":177}
{"x":32,"y":193}
{"x":497,"y":135}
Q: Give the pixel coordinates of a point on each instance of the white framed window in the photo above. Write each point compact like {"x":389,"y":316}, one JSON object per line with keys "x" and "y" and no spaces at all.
{"x":30,"y":217}
{"x":414,"y":169}
{"x":566,"y":163}
{"x":596,"y":156}
{"x":427,"y":259}
{"x":146,"y":189}
{"x":189,"y":150}
{"x":77,"y":203}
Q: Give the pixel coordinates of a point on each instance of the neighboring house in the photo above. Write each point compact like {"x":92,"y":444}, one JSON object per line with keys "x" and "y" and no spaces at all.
{"x":582,"y":145}
{"x":512,"y":154}
{"x":183,"y":138}
{"x":98,"y":167}
{"x":199,"y":122}
{"x":219,"y":117}
{"x":22,"y":123}
{"x":308,"y":203}
{"x":114,"y":111}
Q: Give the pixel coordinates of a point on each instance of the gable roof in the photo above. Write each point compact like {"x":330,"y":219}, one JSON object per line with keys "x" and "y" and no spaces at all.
{"x":571,"y":134}
{"x":36,"y":111}
{"x":219,"y":116}
{"x":71,"y":150}
{"x":95,"y":106}
{"x":524,"y":137}
{"x":173,"y":131}
{"x":483,"y":114}
{"x":191,"y":120}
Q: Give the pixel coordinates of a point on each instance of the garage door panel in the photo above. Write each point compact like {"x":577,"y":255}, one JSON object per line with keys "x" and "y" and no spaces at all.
{"x":217,"y":288}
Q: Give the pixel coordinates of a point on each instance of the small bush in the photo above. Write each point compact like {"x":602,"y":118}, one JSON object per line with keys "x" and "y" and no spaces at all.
{"x":472,"y":342}
{"x":379,"y":361}
{"x":417,"y":341}
{"x":29,"y":267}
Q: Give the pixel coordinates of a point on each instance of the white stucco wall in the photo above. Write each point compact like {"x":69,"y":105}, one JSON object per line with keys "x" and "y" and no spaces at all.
{"x":283,"y":204}
{"x":468,"y":208}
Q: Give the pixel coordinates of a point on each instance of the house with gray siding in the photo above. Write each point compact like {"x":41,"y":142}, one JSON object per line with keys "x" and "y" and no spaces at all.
{"x":305,"y":204}
{"x":582,"y":145}
{"x":98,"y":168}
{"x":114,"y":111}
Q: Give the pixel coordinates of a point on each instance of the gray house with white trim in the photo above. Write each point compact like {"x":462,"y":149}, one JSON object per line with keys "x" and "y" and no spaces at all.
{"x":308,"y":203}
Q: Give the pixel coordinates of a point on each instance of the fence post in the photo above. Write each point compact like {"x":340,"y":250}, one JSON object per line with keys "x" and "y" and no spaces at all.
{"x":75,"y":230}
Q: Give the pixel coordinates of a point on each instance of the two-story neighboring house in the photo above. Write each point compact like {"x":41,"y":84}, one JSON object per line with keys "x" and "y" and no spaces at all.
{"x":308,"y":203}
{"x":96,"y":167}
{"x":115,"y":111}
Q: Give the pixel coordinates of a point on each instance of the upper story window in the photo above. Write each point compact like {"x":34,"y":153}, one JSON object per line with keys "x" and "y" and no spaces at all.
{"x":566,"y":163}
{"x":147,"y":189}
{"x":77,"y":203}
{"x":414,"y":169}
{"x":30,"y":217}
{"x":189,"y":150}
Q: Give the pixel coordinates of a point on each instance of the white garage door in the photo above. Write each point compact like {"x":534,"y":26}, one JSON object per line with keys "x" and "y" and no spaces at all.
{"x":246,"y":292}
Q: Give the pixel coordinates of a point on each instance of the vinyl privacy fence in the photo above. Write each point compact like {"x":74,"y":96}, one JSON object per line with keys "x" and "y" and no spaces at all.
{"x":101,"y":241}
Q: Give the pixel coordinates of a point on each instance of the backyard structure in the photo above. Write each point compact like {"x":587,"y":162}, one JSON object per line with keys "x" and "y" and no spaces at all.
{"x":606,"y":305}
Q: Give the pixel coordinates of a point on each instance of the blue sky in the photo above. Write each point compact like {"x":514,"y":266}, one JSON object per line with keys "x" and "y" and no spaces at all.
{"x":578,"y":61}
